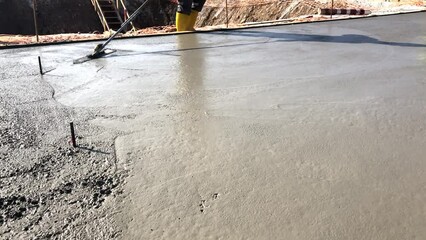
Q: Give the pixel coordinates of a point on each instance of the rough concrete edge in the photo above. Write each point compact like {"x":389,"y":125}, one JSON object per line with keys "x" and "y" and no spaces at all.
{"x":267,"y":24}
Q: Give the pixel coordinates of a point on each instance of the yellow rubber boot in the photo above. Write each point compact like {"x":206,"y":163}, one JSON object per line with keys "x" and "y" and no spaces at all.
{"x":192,"y":20}
{"x":182,"y":22}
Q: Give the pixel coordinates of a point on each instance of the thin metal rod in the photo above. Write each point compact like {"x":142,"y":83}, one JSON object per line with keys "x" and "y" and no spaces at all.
{"x":332,"y":6}
{"x":35,"y":19}
{"x":74,"y":143}
{"x":39,"y":65}
{"x":226,"y":11}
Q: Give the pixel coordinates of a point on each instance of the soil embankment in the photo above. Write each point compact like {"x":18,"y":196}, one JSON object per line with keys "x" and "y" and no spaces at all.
{"x":77,"y":16}
{"x":9,"y":23}
{"x":53,"y":16}
{"x":258,"y":11}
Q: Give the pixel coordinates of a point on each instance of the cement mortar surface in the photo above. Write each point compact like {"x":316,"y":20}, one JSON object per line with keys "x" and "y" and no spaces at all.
{"x":310,"y":131}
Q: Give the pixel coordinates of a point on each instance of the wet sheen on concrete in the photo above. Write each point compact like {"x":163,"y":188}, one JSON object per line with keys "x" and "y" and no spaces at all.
{"x":311,"y":131}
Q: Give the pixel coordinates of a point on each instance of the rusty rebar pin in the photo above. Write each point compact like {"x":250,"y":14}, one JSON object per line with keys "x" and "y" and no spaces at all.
{"x":74,"y":143}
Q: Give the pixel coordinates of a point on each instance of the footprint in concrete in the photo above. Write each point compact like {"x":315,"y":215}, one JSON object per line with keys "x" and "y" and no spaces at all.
{"x":204,"y":203}
{"x":215,"y":196}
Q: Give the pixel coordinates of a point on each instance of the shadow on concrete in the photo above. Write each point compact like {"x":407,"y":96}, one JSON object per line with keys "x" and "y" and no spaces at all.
{"x":296,"y":37}
{"x":278,"y":37}
{"x":92,"y":150}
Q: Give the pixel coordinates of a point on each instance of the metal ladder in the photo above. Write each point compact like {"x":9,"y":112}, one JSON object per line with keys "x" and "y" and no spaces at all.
{"x":112,"y":13}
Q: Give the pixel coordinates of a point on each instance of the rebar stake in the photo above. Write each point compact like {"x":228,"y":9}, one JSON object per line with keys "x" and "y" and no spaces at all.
{"x":39,"y":65}
{"x":74,"y":144}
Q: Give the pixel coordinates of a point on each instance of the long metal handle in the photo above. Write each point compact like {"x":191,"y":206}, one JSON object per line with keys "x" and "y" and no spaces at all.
{"x":133,"y":16}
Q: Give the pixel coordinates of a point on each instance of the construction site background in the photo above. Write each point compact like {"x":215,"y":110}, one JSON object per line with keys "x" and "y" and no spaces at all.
{"x":60,"y":20}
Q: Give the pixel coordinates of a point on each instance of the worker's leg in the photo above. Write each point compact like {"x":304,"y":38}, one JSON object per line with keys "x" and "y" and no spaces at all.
{"x":183,"y":15}
{"x":197,"y":6}
{"x":192,"y":20}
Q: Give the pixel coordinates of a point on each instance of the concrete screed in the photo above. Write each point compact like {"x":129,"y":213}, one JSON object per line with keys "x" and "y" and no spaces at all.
{"x":311,"y":131}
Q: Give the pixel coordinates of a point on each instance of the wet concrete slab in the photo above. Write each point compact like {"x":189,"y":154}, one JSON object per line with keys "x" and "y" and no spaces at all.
{"x":310,"y":131}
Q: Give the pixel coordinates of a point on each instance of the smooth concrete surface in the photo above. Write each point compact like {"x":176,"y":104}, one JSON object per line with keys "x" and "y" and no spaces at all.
{"x":310,"y":131}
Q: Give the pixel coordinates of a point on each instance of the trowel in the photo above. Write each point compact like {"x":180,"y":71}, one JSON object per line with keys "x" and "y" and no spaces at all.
{"x":100,"y":49}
